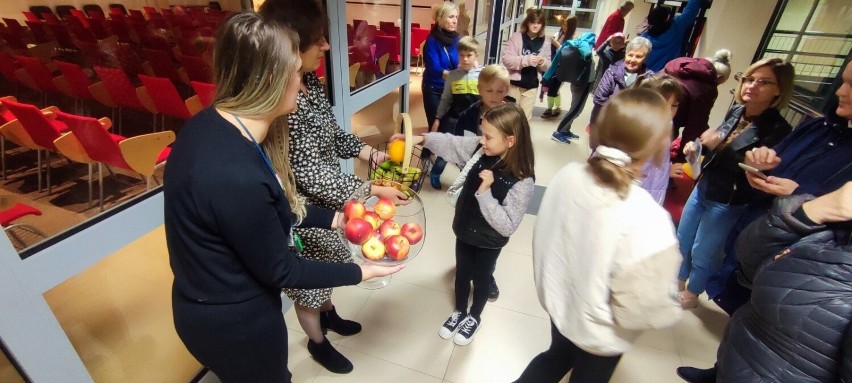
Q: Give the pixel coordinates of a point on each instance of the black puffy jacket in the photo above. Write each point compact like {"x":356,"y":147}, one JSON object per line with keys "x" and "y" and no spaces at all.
{"x":796,"y":327}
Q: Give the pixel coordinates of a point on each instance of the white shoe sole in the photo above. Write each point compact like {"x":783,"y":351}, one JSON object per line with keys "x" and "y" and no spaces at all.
{"x":462,"y":341}
{"x":446,"y":334}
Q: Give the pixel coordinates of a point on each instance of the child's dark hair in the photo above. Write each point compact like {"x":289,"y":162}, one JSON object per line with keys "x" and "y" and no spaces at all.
{"x":510,"y":120}
{"x":636,"y":122}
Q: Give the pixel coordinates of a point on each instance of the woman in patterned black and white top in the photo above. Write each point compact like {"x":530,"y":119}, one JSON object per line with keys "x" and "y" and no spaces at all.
{"x":317,"y":143}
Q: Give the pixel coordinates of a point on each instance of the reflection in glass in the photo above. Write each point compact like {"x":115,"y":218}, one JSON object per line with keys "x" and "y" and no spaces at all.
{"x":374,"y":124}
{"x":374,"y":38}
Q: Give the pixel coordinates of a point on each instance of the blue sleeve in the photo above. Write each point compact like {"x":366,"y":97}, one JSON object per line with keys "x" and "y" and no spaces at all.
{"x":433,"y":59}
{"x":690,"y":13}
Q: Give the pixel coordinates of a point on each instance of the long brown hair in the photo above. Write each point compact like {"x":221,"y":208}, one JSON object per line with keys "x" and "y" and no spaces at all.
{"x":509,"y":119}
{"x":568,"y":28}
{"x":636,"y":122}
{"x":254,"y":61}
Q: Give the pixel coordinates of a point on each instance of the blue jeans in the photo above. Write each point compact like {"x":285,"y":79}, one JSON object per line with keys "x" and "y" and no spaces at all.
{"x":704,"y":226}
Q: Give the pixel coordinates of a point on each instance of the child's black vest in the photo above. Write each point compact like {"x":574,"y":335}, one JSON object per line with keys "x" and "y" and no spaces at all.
{"x":469,"y":224}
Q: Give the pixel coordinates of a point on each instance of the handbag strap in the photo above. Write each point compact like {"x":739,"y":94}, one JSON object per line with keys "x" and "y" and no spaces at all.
{"x":459,"y":182}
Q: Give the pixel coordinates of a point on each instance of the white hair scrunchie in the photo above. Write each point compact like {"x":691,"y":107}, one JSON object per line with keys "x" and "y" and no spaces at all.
{"x":613,"y":155}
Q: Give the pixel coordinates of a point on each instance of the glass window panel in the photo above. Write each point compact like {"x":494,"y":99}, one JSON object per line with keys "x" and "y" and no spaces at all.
{"x":375,"y":123}
{"x":374,"y":37}
{"x":554,"y":17}
{"x":585,"y":20}
{"x":831,"y":16}
{"x":483,"y":14}
{"x":587,"y":4}
{"x":794,"y":15}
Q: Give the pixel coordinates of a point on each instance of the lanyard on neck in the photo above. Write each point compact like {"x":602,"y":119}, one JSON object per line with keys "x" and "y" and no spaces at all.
{"x":294,"y":241}
{"x":263,"y":155}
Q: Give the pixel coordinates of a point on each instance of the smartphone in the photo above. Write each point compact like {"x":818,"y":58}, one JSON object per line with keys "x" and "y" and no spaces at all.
{"x":753,"y":170}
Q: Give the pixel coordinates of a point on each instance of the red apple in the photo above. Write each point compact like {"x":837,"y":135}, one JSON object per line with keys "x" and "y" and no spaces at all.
{"x":397,"y":247}
{"x":389,"y":228}
{"x":357,"y":230}
{"x":385,"y":208}
{"x":373,"y":249}
{"x":412,"y":232}
{"x":354,"y":209}
{"x":372,"y":218}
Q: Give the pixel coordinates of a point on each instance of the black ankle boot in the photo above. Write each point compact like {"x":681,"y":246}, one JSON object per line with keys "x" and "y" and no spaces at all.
{"x":697,"y":375}
{"x":329,"y":320}
{"x":325,"y":354}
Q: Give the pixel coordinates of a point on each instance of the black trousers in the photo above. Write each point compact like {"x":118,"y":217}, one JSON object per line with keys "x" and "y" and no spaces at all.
{"x":474,"y":264}
{"x":241,"y":342}
{"x":564,"y":356}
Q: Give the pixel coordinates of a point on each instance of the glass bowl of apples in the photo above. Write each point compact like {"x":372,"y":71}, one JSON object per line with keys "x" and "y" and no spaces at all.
{"x":379,"y":232}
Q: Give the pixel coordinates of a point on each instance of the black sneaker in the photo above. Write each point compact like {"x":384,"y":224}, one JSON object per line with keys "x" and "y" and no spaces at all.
{"x":572,"y":136}
{"x":451,"y":325}
{"x":467,"y":331}
{"x":494,"y":292}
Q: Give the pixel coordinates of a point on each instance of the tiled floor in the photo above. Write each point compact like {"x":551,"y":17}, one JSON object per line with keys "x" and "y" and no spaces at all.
{"x":399,"y":342}
{"x":118,"y":316}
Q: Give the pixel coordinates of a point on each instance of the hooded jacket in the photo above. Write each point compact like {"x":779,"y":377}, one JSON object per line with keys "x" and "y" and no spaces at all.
{"x":697,"y":76}
{"x":573,"y":61}
{"x":796,"y":328}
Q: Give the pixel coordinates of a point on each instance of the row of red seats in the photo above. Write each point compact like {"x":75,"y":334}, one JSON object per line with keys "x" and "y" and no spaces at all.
{"x":112,"y":87}
{"x":81,"y":139}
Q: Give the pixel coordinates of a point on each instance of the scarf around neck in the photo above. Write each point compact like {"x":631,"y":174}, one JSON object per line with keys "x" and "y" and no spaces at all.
{"x":446,"y":38}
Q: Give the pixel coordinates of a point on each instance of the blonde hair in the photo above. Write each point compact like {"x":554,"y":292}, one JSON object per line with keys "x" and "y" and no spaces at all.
{"x":468,"y":44}
{"x":492,"y":73}
{"x":509,"y":119}
{"x":254,"y":87}
{"x":635,"y":121}
{"x":440,"y":12}
{"x":534,"y":15}
{"x":784,"y":73}
{"x":722,"y":63}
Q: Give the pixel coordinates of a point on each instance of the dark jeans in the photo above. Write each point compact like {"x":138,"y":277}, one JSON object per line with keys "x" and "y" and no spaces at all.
{"x":564,"y":356}
{"x":579,"y":95}
{"x":474,"y":264}
{"x":431,"y":99}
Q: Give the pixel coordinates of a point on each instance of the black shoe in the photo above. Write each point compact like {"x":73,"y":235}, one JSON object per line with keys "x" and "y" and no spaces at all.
{"x":325,"y":354}
{"x":697,"y":375}
{"x":329,"y":320}
{"x":495,"y":292}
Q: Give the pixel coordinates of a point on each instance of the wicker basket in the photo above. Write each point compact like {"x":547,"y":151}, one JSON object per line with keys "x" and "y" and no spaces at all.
{"x":413,"y":169}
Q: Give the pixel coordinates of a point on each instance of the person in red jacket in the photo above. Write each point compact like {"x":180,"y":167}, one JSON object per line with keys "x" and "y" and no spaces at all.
{"x":614,"y":22}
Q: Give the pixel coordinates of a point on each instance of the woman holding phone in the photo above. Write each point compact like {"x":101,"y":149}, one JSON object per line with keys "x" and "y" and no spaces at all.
{"x":722,"y":191}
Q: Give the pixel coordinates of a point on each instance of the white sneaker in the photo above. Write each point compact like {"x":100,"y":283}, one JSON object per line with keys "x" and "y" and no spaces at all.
{"x":451,"y":325}
{"x":467,"y":330}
